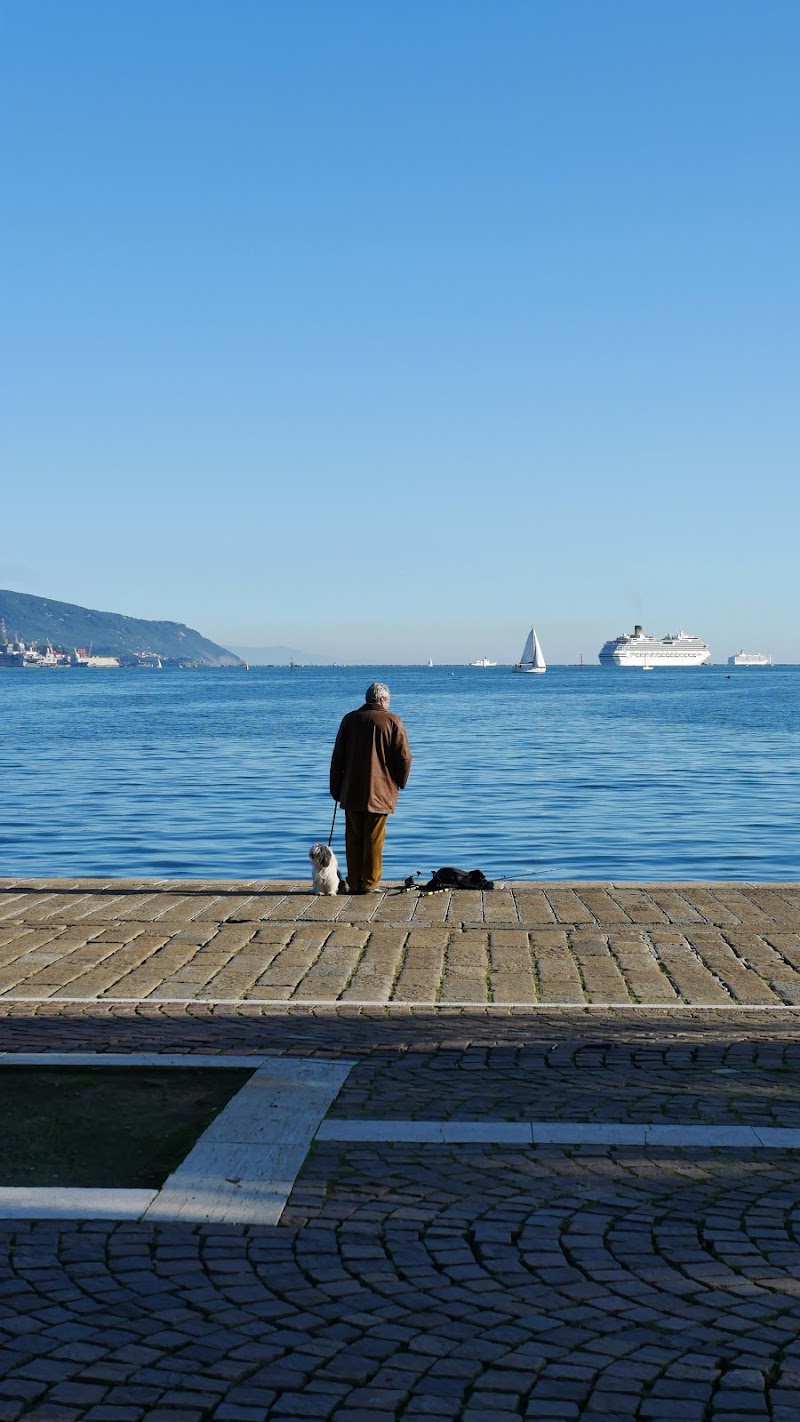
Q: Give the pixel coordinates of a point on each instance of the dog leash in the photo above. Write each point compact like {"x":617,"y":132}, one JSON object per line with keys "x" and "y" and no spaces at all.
{"x":333,"y":821}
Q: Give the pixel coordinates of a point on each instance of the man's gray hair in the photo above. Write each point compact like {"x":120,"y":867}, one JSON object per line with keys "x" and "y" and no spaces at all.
{"x":376,"y":692}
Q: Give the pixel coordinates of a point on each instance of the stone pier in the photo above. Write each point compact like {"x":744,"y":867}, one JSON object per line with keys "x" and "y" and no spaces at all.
{"x":561,"y":1179}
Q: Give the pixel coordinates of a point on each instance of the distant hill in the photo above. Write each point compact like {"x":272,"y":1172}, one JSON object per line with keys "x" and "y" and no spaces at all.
{"x":281,"y":657}
{"x":39,"y":619}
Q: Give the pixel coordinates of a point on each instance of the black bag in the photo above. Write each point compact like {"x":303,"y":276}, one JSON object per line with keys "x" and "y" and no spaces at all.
{"x":448,"y":878}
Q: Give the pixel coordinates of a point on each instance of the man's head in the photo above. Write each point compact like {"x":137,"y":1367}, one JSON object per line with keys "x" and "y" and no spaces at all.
{"x":377,"y":694}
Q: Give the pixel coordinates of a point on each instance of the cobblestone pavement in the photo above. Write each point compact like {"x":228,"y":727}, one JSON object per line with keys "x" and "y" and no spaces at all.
{"x":658,"y":945}
{"x":410,"y":1283}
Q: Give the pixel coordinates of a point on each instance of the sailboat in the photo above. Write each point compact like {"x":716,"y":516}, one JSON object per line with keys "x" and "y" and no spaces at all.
{"x":532,"y":659}
{"x":430,"y":661}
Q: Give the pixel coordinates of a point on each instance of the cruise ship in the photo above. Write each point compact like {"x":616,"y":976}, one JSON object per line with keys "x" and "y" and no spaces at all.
{"x":636,"y":649}
{"x":750,"y":659}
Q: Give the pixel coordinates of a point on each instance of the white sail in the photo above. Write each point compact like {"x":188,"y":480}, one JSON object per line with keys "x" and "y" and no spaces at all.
{"x":532,"y":659}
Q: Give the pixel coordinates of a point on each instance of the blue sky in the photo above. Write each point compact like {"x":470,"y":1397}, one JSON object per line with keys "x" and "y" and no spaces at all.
{"x":386,"y":329}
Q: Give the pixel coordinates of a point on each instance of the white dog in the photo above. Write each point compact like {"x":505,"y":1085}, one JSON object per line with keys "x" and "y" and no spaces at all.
{"x":325,"y":876}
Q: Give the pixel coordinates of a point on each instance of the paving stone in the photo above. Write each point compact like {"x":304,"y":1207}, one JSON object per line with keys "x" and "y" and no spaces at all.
{"x":23,"y":1389}
{"x":446,"y":1276}
{"x":561,"y":1410}
{"x":308,"y":1404}
{"x":54,"y":1412}
{"x":170,"y":1414}
{"x":615,"y":943}
{"x":682,"y":1409}
{"x":733,"y":1400}
{"x":102,"y":1413}
{"x":491,"y":1404}
{"x":77,"y":1393}
{"x":233,"y":1412}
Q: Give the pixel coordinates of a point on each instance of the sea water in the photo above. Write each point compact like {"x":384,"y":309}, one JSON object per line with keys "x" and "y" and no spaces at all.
{"x":578,"y":774}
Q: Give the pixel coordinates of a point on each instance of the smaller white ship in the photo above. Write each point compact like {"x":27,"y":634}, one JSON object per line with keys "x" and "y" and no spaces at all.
{"x":48,"y":658}
{"x":483,"y":662}
{"x":532,"y":659}
{"x":750,"y":659}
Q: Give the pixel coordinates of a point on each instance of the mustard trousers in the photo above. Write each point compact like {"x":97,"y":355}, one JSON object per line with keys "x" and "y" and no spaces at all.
{"x":364,"y":834}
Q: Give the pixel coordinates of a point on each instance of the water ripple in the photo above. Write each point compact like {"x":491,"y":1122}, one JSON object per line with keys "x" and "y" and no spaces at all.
{"x":579,"y":774}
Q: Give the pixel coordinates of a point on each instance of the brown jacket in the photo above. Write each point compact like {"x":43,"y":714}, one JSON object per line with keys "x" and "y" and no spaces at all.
{"x":371,"y":760}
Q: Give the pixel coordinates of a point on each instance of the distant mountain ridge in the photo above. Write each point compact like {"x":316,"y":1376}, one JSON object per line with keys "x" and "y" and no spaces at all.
{"x":65,"y":625}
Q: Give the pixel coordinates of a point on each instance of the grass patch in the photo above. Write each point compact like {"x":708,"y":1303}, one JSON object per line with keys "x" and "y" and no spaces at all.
{"x":105,"y":1126}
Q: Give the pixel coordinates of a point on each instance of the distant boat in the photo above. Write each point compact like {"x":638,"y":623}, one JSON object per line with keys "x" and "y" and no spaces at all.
{"x":483,"y":662}
{"x":430,"y":661}
{"x":750,"y":659}
{"x":532,"y":659}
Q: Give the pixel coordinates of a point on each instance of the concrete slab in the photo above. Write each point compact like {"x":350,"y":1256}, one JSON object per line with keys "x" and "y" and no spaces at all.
{"x":487,"y":1132}
{"x":74,"y":1203}
{"x":229,"y":1184}
{"x":587,"y":1133}
{"x":565,"y":1133}
{"x":129,"y":1059}
{"x":779,"y":1137}
{"x":419,"y":1132}
{"x":243,"y":1167}
{"x":702,"y":1136}
{"x":276,"y":1109}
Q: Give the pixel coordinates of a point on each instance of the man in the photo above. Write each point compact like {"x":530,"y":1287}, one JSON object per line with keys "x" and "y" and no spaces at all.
{"x":371,"y":761}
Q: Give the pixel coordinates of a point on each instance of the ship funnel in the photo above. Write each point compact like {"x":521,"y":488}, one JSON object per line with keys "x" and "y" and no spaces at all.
{"x":637,"y":631}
